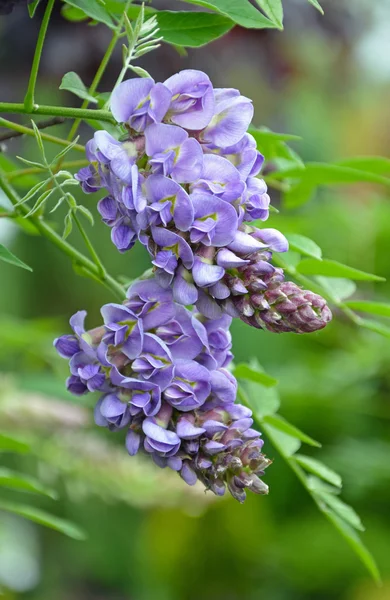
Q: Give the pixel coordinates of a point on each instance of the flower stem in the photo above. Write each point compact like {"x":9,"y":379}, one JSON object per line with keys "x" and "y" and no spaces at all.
{"x":77,"y":257}
{"x":98,"y":76}
{"x":70,"y":164}
{"x":29,"y":99}
{"x":62,"y":111}
{"x":45,"y":136}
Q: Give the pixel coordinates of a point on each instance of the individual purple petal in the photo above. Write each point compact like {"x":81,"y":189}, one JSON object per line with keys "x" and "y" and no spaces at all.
{"x":133,"y":441}
{"x":188,"y":474}
{"x":75,"y":386}
{"x":222,"y":217}
{"x":192,"y":105}
{"x":219,"y":177}
{"x":273,"y":238}
{"x":67,"y":345}
{"x":108,"y":210}
{"x":128,"y":95}
{"x":224,"y":385}
{"x":243,"y":243}
{"x":184,"y":290}
{"x":232,"y":116}
{"x":111,"y":407}
{"x":186,"y":430}
{"x":123,"y":236}
{"x":228,"y":260}
{"x":205,"y":274}
{"x":168,"y":239}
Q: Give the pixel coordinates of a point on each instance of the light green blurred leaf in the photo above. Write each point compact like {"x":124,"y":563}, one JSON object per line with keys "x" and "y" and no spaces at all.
{"x":284,"y":426}
{"x":343,"y":510}
{"x":93,"y":9}
{"x":286,"y":444}
{"x":244,"y":371}
{"x":304,"y":245}
{"x":317,"y":5}
{"x":73,"y":83}
{"x":274,"y":10}
{"x":371,"y":164}
{"x":329,"y":174}
{"x":263,"y":134}
{"x":375,"y":326}
{"x":7,"y":256}
{"x":356,"y":544}
{"x":192,"y":29}
{"x":337,"y":287}
{"x":44,"y":518}
{"x":11,"y":444}
{"x":318,"y":468}
{"x":332,"y":268}
{"x":374,"y":308}
{"x":240,"y":11}
{"x":73,"y":14}
{"x":32,"y":7}
{"x":17,"y":481}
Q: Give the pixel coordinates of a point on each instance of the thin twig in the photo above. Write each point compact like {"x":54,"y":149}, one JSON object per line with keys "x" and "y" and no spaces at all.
{"x":40,"y":124}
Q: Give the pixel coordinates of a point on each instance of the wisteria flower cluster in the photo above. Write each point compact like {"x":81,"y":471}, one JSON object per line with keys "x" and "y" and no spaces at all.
{"x":184,"y":182}
{"x":162,"y":372}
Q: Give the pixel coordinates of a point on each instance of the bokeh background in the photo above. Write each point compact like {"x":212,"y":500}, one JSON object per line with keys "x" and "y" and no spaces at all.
{"x":326,"y":79}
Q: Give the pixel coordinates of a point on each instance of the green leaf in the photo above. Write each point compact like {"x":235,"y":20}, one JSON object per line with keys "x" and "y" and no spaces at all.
{"x":43,"y":518}
{"x":7,"y":256}
{"x":32,"y":7}
{"x":86,"y":213}
{"x":139,"y":71}
{"x":285,"y":427}
{"x":375,"y":326}
{"x":374,"y":308}
{"x":17,"y":481}
{"x":264,"y":134}
{"x":350,"y":535}
{"x":286,"y":444}
{"x":329,"y":174}
{"x":63,"y":152}
{"x":94,"y":10}
{"x":371,"y":164}
{"x":343,"y":510}
{"x":274,"y":10}
{"x":73,"y":14}
{"x":336,"y":287}
{"x":317,"y":5}
{"x":318,"y":468}
{"x":240,"y":11}
{"x":39,"y":140}
{"x":332,"y":268}
{"x":298,"y":194}
{"x":73,"y":83}
{"x":261,"y":400}
{"x":192,"y":29}
{"x":304,"y":245}
{"x":34,"y":190}
{"x":68,"y":225}
{"x":243,"y":371}
{"x":10,"y":444}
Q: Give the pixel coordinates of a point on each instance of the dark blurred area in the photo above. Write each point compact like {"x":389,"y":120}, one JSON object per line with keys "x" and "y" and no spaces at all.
{"x":327,"y":79}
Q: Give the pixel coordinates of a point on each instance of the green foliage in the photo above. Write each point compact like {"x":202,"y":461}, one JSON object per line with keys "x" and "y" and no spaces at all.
{"x":244,"y":371}
{"x":192,"y":29}
{"x":43,"y":518}
{"x":73,"y":83}
{"x":32,"y":7}
{"x":12,"y":480}
{"x":287,"y":441}
{"x":7,"y":256}
{"x":304,"y":245}
{"x":332,"y":268}
{"x":93,"y":9}
{"x":274,"y":11}
{"x":239,"y":11}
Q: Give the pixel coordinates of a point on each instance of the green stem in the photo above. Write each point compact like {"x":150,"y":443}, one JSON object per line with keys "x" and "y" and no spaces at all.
{"x":70,"y":164}
{"x":98,"y":76}
{"x":61,"y":111}
{"x":44,"y":136}
{"x":29,"y":99}
{"x":63,"y":245}
{"x":88,"y":243}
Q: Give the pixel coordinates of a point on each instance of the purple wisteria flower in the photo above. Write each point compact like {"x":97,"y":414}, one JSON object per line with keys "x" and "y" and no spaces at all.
{"x":185,"y":183}
{"x":163,"y":374}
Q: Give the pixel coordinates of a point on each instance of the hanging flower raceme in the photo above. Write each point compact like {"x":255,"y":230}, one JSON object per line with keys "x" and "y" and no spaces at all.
{"x":162,"y":374}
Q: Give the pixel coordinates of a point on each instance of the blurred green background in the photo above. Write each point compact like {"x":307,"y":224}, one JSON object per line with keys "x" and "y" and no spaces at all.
{"x":326,"y":79}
